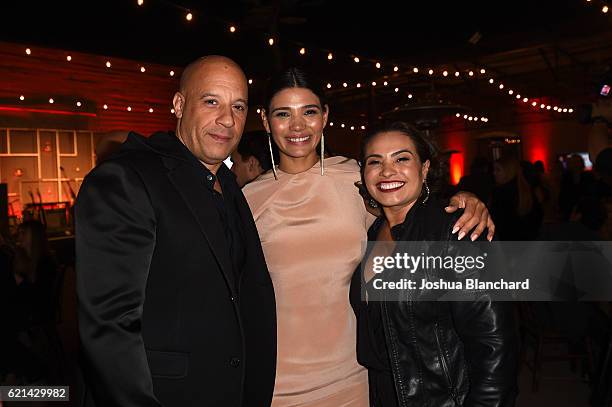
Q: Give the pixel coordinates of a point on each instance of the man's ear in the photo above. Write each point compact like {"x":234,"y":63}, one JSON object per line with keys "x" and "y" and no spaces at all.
{"x":252,"y":164}
{"x":264,"y":120}
{"x":178,"y":102}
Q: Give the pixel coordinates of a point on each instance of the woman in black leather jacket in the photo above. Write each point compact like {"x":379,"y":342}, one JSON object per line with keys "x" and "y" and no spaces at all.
{"x":425,"y":353}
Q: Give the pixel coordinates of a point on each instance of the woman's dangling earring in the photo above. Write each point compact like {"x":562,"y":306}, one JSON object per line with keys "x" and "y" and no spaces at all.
{"x":322,"y":151}
{"x":372,"y":203}
{"x":272,"y":156}
{"x":426,"y":191}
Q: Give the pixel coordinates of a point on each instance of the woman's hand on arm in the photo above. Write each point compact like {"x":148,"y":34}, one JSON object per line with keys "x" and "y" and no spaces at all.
{"x":475,"y":216}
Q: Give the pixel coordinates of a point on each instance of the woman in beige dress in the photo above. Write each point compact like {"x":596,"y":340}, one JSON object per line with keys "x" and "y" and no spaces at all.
{"x":313,"y":223}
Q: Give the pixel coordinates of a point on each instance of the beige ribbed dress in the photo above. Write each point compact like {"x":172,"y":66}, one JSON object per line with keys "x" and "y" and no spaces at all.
{"x":312,"y":230}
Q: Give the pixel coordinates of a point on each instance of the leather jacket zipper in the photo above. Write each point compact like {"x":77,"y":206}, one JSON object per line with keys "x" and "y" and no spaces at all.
{"x":394,"y":357}
{"x":453,"y":391}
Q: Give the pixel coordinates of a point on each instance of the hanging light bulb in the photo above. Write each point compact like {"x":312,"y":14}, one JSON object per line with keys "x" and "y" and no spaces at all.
{"x":358,"y":85}
{"x":344,"y":84}
{"x":373,"y":83}
{"x":108,"y":64}
{"x":171,"y":73}
{"x":605,"y":9}
{"x":150,"y":110}
{"x":302,"y":51}
{"x":445,"y":73}
{"x":28,"y":51}
{"x":51,"y":100}
{"x":189,"y":16}
{"x":491,"y":80}
{"x":21,"y":97}
{"x":329,"y":86}
{"x":431,"y":72}
{"x":142,"y":69}
{"x":232,"y":29}
{"x":378,"y":65}
{"x":105,"y":107}
{"x":385,"y":83}
{"x":471,"y":73}
{"x":396,"y":90}
{"x":330,"y":56}
{"x":457,"y":74}
{"x":129,"y":108}
{"x":415,"y":70}
{"x":356,"y":59}
{"x":79,"y":104}
{"x":271,"y":41}
{"x":68,"y":58}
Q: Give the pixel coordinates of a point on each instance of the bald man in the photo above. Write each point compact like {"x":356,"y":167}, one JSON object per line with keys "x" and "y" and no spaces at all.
{"x":176,"y":306}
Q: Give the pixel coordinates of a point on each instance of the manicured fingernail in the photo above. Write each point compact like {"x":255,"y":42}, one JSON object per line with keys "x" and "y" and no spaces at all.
{"x":455,"y":229}
{"x":474,"y":237}
{"x":460,"y":235}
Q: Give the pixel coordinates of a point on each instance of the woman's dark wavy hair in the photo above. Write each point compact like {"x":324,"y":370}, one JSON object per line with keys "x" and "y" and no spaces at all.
{"x":294,"y":78}
{"x":425,"y":149}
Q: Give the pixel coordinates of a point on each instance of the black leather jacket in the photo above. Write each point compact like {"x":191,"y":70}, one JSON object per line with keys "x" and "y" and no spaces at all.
{"x":444,"y":354}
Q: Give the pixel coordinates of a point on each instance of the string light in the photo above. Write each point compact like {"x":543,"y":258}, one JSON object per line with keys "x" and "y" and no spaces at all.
{"x":471,"y":73}
{"x":271,"y":41}
{"x":105,"y":107}
{"x":534,"y":103}
{"x":385,"y":83}
{"x":378,"y":65}
{"x":457,"y":74}
{"x":415,"y":70}
{"x":150,"y":110}
{"x":501,"y":85}
{"x":302,"y":51}
{"x":445,"y":73}
{"x":342,"y":125}
{"x":344,"y":84}
{"x":172,"y":110}
{"x":331,"y":124}
{"x":142,"y":69}
{"x":79,"y":104}
{"x":232,"y":29}
{"x":250,"y":81}
{"x":140,"y":2}
{"x":129,"y":108}
{"x":373,"y":83}
{"x":358,"y":85}
{"x":352,"y":127}
{"x":491,"y":80}
{"x":329,"y":86}
{"x":68,"y":58}
{"x":395,"y":68}
{"x":51,"y":100}
{"x":28,"y":51}
{"x":356,"y":59}
{"x":510,"y":92}
{"x":396,"y":90}
{"x":171,"y":73}
{"x":189,"y":16}
{"x":330,"y":56}
{"x":431,"y":71}
{"x":21,"y":97}
{"x":258,"y":110}
{"x":525,"y":100}
{"x":410,"y":96}
{"x":483,"y":71}
{"x":605,"y":9}
{"x":570,"y":110}
{"x":362,"y":127}
{"x":108,"y":64}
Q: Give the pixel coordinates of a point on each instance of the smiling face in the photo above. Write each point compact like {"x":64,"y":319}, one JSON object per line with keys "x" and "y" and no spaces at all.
{"x":393,"y":171}
{"x":296,"y":120}
{"x":211,"y":109}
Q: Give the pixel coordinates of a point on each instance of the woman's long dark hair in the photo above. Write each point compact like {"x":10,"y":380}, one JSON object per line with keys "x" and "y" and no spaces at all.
{"x":425,"y":149}
{"x":294,"y":78}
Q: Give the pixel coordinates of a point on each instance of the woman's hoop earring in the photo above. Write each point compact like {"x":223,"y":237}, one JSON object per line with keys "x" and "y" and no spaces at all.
{"x":322,"y":152}
{"x":426,"y":191}
{"x":272,"y":156}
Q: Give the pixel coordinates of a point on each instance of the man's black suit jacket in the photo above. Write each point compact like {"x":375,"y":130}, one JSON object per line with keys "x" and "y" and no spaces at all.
{"x":163,"y":320}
